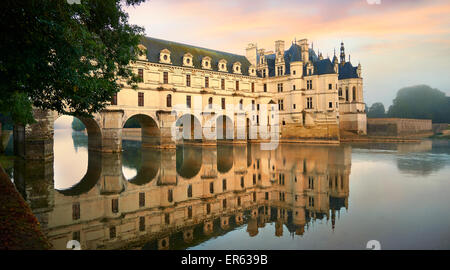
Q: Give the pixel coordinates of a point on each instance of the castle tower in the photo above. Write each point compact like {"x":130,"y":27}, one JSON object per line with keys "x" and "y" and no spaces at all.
{"x":342,"y":53}
{"x":252,"y":53}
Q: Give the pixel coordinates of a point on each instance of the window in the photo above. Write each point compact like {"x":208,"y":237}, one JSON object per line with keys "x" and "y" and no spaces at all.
{"x":354,"y":93}
{"x":237,"y":85}
{"x":293,"y":72}
{"x":141,"y":74}
{"x":206,"y":82}
{"x":76,"y":236}
{"x":222,"y":84}
{"x":242,"y":182}
{"x":208,"y":209}
{"x":190,"y":212}
{"x":293,"y":87}
{"x":257,"y":107}
{"x":311,"y":182}
{"x":188,"y":80}
{"x":224,"y":203}
{"x":241,"y":104}
{"x":169,"y":100}
{"x":188,"y":101}
{"x":254,"y":196}
{"x":223,"y":103}
{"x":141,"y":99}
{"x":264,"y":73}
{"x":211,"y":187}
{"x":280,"y":105}
{"x":76,"y":211}
{"x":330,"y":105}
{"x":115,"y":205}
{"x":224,"y":184}
{"x":309,"y":84}
{"x":253,"y":106}
{"x":265,"y":87}
{"x":311,"y":201}
{"x":309,"y":103}
{"x":346,"y":94}
{"x":141,"y":224}
{"x":253,"y":87}
{"x":114,"y":99}
{"x":189,"y":191}
{"x":210,"y":102}
{"x":330,"y":86}
{"x":112,"y":232}
{"x":141,"y":199}
{"x":293,"y":106}
{"x":340,"y":92}
{"x":280,"y":70}
{"x":167,"y":218}
{"x":166,"y":77}
{"x":280,"y":87}
{"x":170,"y":195}
{"x":239,"y":201}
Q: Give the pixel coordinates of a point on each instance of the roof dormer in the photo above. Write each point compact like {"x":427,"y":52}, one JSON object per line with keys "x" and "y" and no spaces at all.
{"x":142,"y":52}
{"x":222,"y":65}
{"x":206,"y":62}
{"x":187,"y":60}
{"x":252,"y":70}
{"x":237,"y":68}
{"x":164,"y":57}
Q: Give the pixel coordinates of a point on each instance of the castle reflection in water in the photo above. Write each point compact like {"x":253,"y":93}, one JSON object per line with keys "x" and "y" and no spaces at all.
{"x":179,"y":199}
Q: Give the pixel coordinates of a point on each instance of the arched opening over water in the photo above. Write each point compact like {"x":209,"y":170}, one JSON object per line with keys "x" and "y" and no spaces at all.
{"x":142,"y":127}
{"x":140,"y":166}
{"x":190,"y":127}
{"x":189,"y":161}
{"x":224,"y":128}
{"x":75,"y":142}
{"x":225,"y":158}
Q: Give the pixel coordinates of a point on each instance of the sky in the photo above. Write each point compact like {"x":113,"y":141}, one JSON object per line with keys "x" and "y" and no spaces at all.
{"x":399,"y":43}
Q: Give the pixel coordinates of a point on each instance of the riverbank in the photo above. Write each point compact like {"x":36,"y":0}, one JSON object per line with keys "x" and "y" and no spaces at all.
{"x":19,"y":228}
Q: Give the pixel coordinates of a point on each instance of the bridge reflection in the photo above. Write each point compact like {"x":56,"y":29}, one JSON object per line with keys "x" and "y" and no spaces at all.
{"x":181,"y":198}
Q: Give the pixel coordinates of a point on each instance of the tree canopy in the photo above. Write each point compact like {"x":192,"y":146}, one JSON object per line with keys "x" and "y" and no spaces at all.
{"x":376,"y":110}
{"x":421,"y":102}
{"x":64,"y":56}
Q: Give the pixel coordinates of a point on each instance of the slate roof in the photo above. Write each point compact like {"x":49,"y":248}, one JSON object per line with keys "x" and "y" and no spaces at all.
{"x":347,"y":71}
{"x":178,"y":50}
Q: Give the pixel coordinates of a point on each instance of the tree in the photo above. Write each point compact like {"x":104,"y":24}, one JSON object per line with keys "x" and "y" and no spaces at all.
{"x":422,"y":102}
{"x":63,"y":56}
{"x":376,"y":110}
{"x":77,"y":125}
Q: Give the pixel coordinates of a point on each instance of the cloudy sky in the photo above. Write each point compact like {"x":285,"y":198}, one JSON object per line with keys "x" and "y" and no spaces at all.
{"x":398,"y":42}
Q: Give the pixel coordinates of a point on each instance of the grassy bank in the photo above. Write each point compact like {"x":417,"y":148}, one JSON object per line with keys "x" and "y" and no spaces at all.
{"x":19,"y":227}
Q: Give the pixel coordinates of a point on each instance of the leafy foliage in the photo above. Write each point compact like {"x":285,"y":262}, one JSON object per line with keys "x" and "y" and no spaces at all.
{"x":64,"y":57}
{"x":376,"y":110}
{"x":422,"y":102}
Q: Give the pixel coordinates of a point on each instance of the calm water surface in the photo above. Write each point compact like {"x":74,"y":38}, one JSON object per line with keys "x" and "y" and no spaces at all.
{"x":239,"y":197}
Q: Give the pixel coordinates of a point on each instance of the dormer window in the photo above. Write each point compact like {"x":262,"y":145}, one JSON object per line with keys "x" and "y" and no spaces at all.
{"x":222,"y":65}
{"x":206,"y":62}
{"x":142,"y":52}
{"x":164,"y":57}
{"x":252,"y":71}
{"x":187,"y":60}
{"x":237,"y":67}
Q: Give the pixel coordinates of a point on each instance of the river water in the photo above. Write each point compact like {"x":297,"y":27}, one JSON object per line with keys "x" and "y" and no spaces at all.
{"x":241,"y":197}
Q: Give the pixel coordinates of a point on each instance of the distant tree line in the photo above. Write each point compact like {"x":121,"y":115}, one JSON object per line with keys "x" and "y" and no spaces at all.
{"x":77,"y":125}
{"x":420,"y":102}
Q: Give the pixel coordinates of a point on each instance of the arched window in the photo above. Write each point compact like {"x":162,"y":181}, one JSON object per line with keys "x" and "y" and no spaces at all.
{"x":346,"y":93}
{"x":354,"y":93}
{"x":241,"y":104}
{"x":169,"y":100}
{"x":210,"y":102}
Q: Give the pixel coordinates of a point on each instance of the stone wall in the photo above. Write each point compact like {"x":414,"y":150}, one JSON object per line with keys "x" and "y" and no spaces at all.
{"x":398,"y":126}
{"x":318,"y":131}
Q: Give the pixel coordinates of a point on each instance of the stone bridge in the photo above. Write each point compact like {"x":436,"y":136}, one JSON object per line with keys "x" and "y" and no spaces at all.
{"x":104,"y":129}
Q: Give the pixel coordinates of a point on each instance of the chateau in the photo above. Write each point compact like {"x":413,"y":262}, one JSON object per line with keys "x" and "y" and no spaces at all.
{"x":315,"y":96}
{"x":208,"y":96}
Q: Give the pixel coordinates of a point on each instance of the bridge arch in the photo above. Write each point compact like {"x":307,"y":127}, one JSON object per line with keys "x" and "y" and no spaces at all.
{"x":93,"y":131}
{"x":224,"y":128}
{"x":146,"y":163}
{"x":150,"y":131}
{"x":190,"y":128}
{"x":189,"y":161}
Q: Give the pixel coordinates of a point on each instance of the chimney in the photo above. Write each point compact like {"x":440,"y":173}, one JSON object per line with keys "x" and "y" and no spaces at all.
{"x":251,"y":53}
{"x":279,"y":46}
